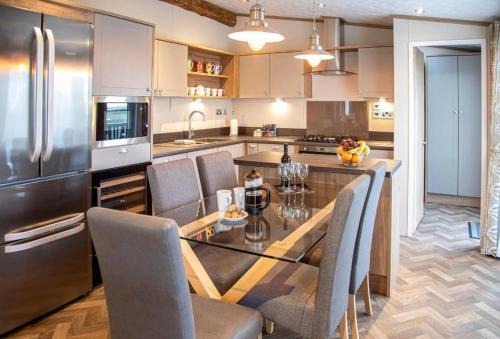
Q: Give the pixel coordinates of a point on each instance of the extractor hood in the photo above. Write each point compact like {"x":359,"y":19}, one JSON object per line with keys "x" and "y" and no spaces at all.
{"x":333,"y":38}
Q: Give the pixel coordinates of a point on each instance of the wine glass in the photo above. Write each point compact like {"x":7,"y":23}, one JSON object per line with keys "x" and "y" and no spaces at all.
{"x":303,"y":173}
{"x":281,"y":174}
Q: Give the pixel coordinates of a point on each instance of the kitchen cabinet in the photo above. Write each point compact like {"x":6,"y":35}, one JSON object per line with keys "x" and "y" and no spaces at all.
{"x":254,"y":76}
{"x":376,"y":72}
{"x":273,"y":148}
{"x":170,"y":69}
{"x":286,"y":76}
{"x":169,"y":158}
{"x":381,"y":154}
{"x":454,"y":125}
{"x":123,"y":57}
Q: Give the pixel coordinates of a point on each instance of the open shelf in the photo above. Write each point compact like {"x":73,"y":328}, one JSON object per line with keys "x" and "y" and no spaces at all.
{"x":208,"y":97}
{"x":208,"y":75}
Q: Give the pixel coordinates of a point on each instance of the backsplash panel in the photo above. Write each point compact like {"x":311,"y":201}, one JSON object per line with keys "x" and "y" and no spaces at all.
{"x":331,"y":118}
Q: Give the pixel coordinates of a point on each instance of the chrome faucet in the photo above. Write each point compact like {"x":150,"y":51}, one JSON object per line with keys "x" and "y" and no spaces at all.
{"x":190,"y":129}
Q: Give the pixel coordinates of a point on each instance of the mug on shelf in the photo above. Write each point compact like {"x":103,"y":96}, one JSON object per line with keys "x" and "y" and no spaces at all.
{"x":192,"y":91}
{"x":220,"y":92}
{"x":190,"y":65}
{"x":217,"y":69}
{"x":200,"y":91}
{"x":214,"y":92}
{"x":209,"y":67}
{"x":224,"y":200}
{"x":199,"y":66}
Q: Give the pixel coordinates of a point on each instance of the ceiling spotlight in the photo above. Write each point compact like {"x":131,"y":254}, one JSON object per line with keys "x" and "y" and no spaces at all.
{"x":420,"y":11}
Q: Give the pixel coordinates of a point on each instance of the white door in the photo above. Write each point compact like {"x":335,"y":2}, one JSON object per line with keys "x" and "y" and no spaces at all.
{"x":442,"y":125}
{"x":419,"y":95}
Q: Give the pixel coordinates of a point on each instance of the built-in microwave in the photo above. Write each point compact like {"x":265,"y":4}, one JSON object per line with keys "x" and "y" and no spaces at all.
{"x":119,"y":121}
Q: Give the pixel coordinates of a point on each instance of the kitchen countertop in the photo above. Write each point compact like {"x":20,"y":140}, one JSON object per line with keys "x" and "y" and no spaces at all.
{"x":316,"y":162}
{"x":163,"y":150}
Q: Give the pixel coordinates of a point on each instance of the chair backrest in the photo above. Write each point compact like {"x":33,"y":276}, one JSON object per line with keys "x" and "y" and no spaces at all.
{"x":173,"y":184}
{"x":335,"y":268}
{"x":216,"y":171}
{"x":140,"y":257}
{"x":363,"y":246}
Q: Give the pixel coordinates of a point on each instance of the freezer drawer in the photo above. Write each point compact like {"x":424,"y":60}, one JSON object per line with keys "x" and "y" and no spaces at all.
{"x":26,"y":206}
{"x":42,"y":273}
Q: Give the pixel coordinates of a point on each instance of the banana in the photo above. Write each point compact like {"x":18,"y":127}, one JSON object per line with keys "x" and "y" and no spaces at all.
{"x":354,"y":150}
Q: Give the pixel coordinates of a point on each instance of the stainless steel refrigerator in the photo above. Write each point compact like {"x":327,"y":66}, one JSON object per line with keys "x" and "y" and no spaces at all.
{"x":45,"y":184}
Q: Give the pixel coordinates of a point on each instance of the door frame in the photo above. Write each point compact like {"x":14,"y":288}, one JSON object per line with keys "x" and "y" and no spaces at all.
{"x":412,"y":223}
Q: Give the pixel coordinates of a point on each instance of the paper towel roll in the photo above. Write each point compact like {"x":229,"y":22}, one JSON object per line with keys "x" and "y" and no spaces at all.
{"x":233,"y":127}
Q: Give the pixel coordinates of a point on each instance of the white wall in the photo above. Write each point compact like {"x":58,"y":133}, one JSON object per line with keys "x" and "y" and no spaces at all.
{"x":171,"y":114}
{"x":289,"y":113}
{"x":405,"y":32}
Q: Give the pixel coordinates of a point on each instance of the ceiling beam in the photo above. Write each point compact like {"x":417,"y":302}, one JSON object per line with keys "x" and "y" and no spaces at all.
{"x":207,"y":9}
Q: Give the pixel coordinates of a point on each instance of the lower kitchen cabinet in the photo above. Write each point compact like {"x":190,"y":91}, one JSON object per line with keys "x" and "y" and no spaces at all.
{"x":169,"y":158}
{"x":274,"y":148}
{"x":381,"y":154}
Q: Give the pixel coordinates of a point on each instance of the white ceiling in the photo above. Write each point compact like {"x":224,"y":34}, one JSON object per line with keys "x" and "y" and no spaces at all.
{"x":373,"y":11}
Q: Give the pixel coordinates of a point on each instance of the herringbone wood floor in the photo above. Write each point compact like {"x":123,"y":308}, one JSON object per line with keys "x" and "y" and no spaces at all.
{"x":446,"y":289}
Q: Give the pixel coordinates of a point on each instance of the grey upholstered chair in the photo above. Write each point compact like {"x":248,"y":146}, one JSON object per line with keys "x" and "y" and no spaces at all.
{"x":145,"y":283}
{"x":174,"y":184}
{"x":363,"y":246}
{"x":308,"y":300}
{"x":216,"y":171}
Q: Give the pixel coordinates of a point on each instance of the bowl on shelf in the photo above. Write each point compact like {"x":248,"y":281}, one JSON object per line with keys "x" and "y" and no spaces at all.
{"x":351,"y":153}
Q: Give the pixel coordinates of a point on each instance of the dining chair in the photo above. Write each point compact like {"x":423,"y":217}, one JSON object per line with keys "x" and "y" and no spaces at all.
{"x":145,"y":283}
{"x":216,"y":171}
{"x":362,"y":248}
{"x":174,"y":184}
{"x":313,"y":301}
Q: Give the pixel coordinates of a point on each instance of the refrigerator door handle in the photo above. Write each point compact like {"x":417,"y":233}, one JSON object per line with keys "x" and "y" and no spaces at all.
{"x":48,"y":228}
{"x":38,"y":96}
{"x":49,"y":95}
{"x":45,"y":240}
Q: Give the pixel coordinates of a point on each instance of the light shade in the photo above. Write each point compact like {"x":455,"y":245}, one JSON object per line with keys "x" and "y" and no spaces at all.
{"x":315,"y":54}
{"x":256,"y":30}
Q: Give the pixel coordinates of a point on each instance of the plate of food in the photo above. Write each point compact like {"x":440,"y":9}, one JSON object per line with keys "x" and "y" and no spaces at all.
{"x":234,"y":213}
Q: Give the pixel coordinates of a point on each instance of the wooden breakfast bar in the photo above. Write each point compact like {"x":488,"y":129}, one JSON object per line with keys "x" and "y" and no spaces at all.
{"x":327,"y":170}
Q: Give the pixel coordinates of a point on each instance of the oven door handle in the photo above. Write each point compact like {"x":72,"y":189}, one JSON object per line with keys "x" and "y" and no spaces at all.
{"x":45,"y":240}
{"x":43,"y":229}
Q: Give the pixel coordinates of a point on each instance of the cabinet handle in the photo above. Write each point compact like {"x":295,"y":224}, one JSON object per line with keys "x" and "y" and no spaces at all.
{"x":455,"y":112}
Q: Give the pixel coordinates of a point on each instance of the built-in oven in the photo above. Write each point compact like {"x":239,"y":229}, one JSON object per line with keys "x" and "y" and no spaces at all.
{"x":120,"y":130}
{"x":120,"y":121}
{"x":317,"y":149}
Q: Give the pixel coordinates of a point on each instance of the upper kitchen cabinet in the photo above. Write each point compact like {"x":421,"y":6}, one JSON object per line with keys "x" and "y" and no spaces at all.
{"x":123,"y":57}
{"x":254,"y":76}
{"x":376,"y":72}
{"x":170,"y":69}
{"x":287,"y":76}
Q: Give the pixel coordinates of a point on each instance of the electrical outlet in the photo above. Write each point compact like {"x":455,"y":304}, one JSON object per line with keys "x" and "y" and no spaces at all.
{"x":218,"y":111}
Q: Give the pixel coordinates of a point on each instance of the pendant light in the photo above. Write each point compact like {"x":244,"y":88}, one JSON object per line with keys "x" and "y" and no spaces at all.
{"x":315,"y":54}
{"x":256,"y":30}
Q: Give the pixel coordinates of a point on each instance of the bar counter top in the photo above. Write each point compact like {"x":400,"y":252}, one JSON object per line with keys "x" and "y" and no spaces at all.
{"x":317,"y":162}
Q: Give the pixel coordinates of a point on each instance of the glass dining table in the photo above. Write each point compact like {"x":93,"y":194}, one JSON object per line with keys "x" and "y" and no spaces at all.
{"x":286,"y":230}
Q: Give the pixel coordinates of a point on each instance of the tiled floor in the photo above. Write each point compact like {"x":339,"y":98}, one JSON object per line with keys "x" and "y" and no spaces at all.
{"x":446,"y":289}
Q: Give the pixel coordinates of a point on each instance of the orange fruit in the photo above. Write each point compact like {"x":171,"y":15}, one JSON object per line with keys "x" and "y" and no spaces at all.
{"x":340,"y":150}
{"x":346,"y":157}
{"x":356,"y":159}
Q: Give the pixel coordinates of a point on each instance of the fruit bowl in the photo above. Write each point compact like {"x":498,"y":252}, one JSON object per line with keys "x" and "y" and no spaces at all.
{"x":351,"y":153}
